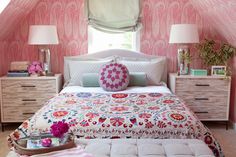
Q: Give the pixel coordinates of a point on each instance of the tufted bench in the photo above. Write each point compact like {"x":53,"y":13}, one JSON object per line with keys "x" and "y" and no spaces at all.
{"x":145,"y":147}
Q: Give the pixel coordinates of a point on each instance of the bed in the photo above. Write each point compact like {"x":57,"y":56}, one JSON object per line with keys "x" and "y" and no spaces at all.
{"x":137,"y":112}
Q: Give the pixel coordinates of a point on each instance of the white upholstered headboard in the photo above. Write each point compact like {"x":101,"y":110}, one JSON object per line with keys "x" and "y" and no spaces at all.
{"x":111,"y":53}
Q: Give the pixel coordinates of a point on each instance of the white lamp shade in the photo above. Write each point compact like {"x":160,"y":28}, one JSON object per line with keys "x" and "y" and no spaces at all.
{"x":43,"y":35}
{"x":184,"y":34}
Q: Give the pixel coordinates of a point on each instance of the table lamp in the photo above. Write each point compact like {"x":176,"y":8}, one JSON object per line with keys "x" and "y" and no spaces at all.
{"x":183,"y":35}
{"x":43,"y":35}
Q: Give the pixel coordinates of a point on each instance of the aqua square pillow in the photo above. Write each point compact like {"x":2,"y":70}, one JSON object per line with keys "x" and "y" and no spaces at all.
{"x":138,"y":79}
{"x":90,"y":80}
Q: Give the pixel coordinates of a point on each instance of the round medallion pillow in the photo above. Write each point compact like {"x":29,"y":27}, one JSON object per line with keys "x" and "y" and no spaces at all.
{"x":114,"y":77}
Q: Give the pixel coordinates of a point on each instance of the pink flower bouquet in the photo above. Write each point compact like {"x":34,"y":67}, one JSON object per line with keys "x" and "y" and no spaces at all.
{"x":35,"y":68}
{"x":58,"y":129}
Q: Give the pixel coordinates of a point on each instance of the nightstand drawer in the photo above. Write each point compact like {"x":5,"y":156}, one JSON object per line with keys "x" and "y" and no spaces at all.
{"x":202,"y":84}
{"x":198,"y":98}
{"x":209,"y":114}
{"x":13,"y":114}
{"x":24,"y":101}
{"x":26,"y":86}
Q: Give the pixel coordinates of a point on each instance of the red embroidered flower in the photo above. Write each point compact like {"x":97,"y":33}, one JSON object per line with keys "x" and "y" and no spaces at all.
{"x":177,"y":116}
{"x":59,"y":114}
{"x":16,"y":135}
{"x":92,"y":115}
{"x":149,"y":125}
{"x":145,"y":115}
{"x":25,"y":124}
{"x":117,"y":121}
{"x":168,"y":101}
{"x":161,"y":124}
{"x":84,"y":123}
{"x":119,"y":95}
{"x":120,"y":108}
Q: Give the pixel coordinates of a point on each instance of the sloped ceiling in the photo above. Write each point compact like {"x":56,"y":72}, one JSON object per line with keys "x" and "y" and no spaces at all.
{"x":221,"y":14}
{"x":13,"y":14}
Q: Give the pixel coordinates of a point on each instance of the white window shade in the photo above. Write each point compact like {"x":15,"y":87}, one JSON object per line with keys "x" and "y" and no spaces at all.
{"x":114,"y":15}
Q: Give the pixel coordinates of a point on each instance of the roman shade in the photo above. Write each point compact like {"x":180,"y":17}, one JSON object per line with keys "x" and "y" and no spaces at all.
{"x":114,"y":15}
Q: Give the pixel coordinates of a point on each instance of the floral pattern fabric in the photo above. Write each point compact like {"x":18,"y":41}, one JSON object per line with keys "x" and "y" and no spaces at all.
{"x":114,"y":77}
{"x":120,"y":115}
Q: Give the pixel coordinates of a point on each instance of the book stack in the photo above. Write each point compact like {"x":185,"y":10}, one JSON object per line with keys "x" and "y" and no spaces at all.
{"x":18,"y":69}
{"x":18,"y":73}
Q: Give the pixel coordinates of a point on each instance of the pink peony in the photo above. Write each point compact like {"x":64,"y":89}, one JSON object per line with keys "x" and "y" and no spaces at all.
{"x":35,"y":67}
{"x":59,"y":128}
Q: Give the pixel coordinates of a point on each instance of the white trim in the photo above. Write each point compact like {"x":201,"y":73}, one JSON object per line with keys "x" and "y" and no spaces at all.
{"x":136,"y":42}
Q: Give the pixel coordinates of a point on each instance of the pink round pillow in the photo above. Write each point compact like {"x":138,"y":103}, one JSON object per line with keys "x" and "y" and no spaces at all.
{"x":114,"y":77}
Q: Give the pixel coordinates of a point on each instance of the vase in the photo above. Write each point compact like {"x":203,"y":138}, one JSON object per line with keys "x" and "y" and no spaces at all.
{"x":183,"y":64}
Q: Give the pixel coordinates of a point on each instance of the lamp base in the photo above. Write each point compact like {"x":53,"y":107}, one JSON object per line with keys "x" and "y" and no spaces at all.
{"x":45,"y":59}
{"x":183,"y":60}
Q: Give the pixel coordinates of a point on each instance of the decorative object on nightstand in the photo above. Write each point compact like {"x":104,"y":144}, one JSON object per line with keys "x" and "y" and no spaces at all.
{"x":18,"y":69}
{"x":207,"y":96}
{"x":43,"y":35}
{"x":218,"y":70}
{"x":212,"y":56}
{"x":35,"y":68}
{"x":183,"y":34}
{"x":198,"y":72}
{"x":21,"y":97}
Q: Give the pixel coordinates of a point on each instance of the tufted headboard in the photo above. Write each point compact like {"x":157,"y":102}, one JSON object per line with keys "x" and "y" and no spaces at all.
{"x":111,"y":53}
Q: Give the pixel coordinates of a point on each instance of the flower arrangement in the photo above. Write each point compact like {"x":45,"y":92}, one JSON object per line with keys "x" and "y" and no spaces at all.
{"x":35,"y":68}
{"x":215,"y":54}
{"x":58,"y":129}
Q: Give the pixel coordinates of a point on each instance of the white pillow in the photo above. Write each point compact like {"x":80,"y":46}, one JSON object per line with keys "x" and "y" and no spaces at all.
{"x":67,"y":59}
{"x":78,"y":68}
{"x":154,"y":68}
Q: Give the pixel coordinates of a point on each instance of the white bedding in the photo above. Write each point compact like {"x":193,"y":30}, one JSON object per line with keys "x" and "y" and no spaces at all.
{"x":134,"y":89}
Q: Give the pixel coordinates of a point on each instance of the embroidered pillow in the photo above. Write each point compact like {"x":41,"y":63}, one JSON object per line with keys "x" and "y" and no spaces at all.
{"x":114,"y":77}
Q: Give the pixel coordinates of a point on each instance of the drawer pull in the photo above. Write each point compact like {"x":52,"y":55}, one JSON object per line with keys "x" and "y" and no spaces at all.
{"x":202,"y":85}
{"x":201,"y":98}
{"x":28,"y":86}
{"x":28,"y":99}
{"x":202,"y":112}
{"x":28,"y":113}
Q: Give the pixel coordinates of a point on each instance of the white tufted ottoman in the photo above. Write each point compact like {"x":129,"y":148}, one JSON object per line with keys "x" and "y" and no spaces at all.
{"x":146,"y":147}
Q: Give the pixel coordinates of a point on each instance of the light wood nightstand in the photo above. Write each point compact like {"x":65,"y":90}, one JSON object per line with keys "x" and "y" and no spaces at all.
{"x":207,"y":96}
{"x":21,"y":97}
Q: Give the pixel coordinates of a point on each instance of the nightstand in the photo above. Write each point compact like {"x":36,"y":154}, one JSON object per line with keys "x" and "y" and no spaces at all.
{"x":21,"y":97}
{"x":207,"y":96}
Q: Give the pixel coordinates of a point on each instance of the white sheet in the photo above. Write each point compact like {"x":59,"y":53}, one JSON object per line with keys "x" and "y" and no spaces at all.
{"x":135,"y":89}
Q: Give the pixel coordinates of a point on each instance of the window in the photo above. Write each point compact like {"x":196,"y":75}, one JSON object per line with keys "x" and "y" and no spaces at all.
{"x":3,"y":5}
{"x":98,"y":40}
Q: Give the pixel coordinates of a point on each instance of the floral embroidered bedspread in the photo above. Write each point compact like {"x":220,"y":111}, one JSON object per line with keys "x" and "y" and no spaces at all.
{"x":120,"y":115}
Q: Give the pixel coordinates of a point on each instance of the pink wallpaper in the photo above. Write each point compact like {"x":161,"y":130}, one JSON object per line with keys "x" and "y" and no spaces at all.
{"x":68,"y":15}
{"x":157,"y":17}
